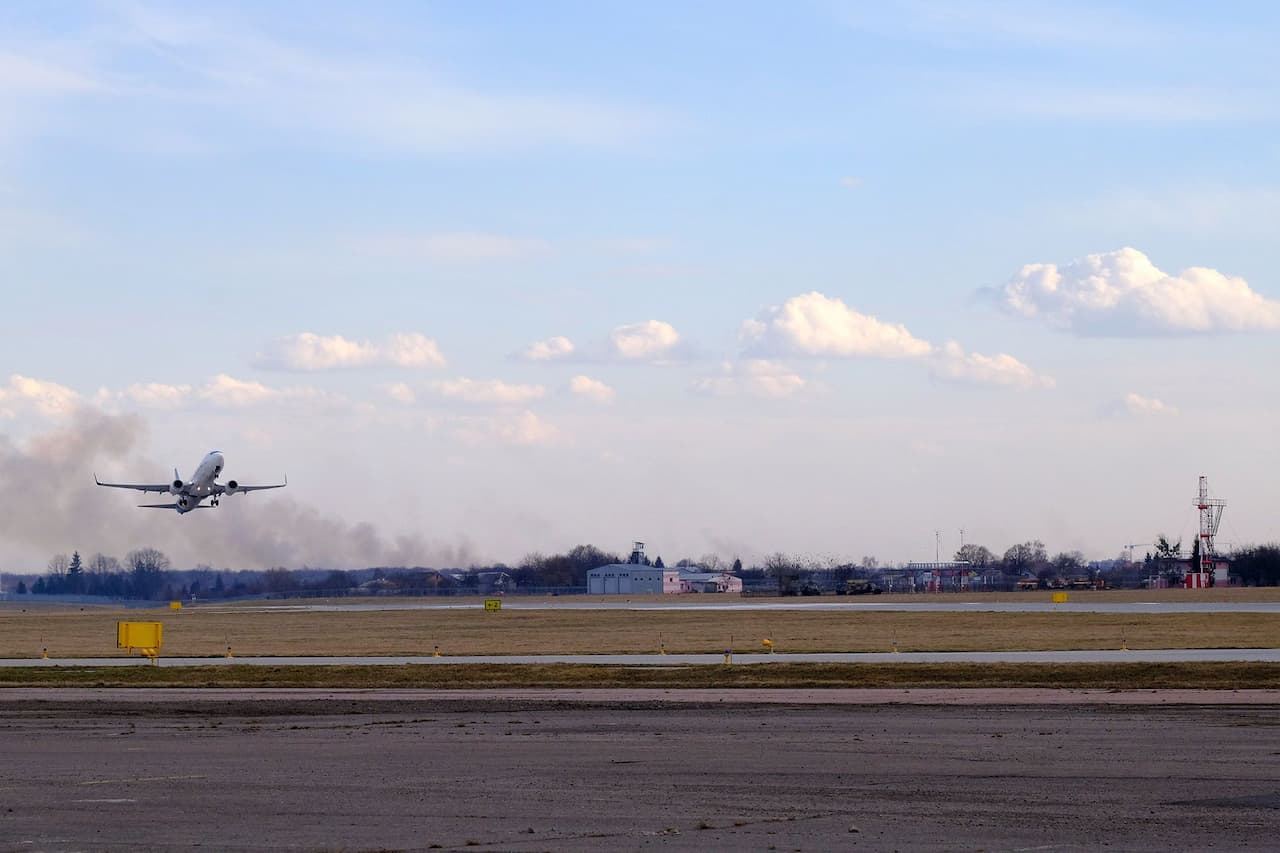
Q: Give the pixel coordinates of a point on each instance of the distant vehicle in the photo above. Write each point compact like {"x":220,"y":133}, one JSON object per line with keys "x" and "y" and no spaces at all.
{"x":190,"y":495}
{"x":859,"y":586}
{"x":1027,"y":583}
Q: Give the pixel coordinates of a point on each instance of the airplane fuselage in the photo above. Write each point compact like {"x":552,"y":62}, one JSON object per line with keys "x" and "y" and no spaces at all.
{"x":191,"y":494}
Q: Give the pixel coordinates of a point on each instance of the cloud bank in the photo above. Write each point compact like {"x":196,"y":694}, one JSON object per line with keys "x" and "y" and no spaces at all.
{"x":308,"y":351}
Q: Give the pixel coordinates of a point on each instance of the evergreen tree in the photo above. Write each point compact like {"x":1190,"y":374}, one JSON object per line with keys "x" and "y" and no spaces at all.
{"x":22,"y":587}
{"x":75,"y":573}
{"x":737,"y":565}
{"x":657,"y":564}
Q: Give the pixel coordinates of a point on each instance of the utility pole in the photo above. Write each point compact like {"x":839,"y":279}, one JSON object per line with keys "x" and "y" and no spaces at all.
{"x":937,"y":546}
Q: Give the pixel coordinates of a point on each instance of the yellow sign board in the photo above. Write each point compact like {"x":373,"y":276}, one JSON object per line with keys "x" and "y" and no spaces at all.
{"x":138,"y":635}
{"x":493,"y":604}
{"x":1059,"y":598}
{"x":175,"y":605}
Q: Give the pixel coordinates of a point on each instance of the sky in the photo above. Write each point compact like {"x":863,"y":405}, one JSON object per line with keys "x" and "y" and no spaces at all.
{"x":835,"y":279}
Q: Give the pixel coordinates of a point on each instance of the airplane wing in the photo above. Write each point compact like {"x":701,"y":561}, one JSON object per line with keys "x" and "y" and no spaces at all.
{"x":141,"y":487}
{"x":226,"y":489}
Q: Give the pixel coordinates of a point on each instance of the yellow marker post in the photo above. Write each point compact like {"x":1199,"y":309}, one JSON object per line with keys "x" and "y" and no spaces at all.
{"x":228,"y":653}
{"x":728,"y":656}
{"x":435,"y":652}
{"x":768,"y":644}
{"x":493,"y":604}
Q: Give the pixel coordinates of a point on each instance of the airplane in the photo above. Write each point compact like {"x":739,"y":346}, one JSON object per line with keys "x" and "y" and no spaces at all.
{"x":190,"y":495}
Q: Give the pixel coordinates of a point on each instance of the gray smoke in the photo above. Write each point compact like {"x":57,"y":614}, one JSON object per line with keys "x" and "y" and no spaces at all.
{"x":51,"y":505}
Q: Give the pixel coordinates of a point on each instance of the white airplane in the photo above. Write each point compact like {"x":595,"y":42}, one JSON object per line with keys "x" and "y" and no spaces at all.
{"x":203,"y":484}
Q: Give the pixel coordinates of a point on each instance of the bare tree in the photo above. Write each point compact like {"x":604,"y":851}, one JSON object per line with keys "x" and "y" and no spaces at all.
{"x":976,"y":555}
{"x":58,"y":564}
{"x":101,"y":564}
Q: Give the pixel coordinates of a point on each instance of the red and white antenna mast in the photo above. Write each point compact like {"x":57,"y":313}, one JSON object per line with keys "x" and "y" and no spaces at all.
{"x":1210,"y":518}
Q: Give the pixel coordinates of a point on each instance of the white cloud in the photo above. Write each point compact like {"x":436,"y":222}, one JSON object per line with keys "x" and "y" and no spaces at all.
{"x":816,"y":325}
{"x":755,"y":377}
{"x":549,"y":350}
{"x":454,"y":247}
{"x":487,"y":391}
{"x":522,"y":429}
{"x":308,"y":351}
{"x":952,"y":362}
{"x":47,"y":398}
{"x":1136,"y":405}
{"x":650,"y":340}
{"x":228,"y":391}
{"x":224,"y":390}
{"x":593,"y":389}
{"x":1122,"y":293}
{"x":401,"y":393}
{"x":151,"y":394}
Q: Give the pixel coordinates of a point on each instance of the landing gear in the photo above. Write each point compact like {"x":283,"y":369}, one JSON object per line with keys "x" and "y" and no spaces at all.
{"x":213,"y":502}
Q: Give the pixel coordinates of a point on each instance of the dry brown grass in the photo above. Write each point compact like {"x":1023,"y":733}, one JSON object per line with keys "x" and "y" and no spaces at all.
{"x":72,"y":632}
{"x":1133,"y":676}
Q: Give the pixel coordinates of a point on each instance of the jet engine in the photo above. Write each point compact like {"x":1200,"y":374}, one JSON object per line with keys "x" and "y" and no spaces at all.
{"x":232,"y":485}
{"x":175,"y":487}
{"x":183,"y":502}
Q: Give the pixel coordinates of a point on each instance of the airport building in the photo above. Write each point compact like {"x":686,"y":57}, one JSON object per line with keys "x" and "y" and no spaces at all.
{"x":630,"y":579}
{"x":638,"y":576}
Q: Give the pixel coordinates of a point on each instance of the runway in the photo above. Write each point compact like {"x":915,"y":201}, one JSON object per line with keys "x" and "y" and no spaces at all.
{"x":254,"y":775}
{"x":1081,"y":656}
{"x":860,"y":606}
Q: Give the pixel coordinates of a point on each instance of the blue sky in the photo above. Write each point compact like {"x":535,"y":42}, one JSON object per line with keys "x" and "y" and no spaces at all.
{"x":788,"y":245}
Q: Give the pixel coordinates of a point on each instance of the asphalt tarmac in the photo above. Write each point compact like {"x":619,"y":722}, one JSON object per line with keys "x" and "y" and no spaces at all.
{"x":143,"y":770}
{"x":1079,"y":656}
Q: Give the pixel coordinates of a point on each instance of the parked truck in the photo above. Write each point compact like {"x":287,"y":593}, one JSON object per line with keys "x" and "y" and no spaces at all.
{"x":858,"y":586}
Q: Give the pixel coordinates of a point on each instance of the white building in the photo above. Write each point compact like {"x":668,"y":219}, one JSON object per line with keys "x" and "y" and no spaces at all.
{"x":629,"y":578}
{"x":632,"y":579}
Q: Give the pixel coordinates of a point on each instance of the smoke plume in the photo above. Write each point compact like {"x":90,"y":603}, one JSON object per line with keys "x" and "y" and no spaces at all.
{"x":50,"y":504}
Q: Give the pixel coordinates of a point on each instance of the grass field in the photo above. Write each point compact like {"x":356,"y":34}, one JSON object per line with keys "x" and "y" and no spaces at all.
{"x":207,"y":631}
{"x":1136,"y":676}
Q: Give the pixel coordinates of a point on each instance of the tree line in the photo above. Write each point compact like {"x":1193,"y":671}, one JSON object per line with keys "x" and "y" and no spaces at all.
{"x":147,"y":573}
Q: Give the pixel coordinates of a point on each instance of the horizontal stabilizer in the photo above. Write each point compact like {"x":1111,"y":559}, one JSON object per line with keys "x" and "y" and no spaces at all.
{"x":158,"y":506}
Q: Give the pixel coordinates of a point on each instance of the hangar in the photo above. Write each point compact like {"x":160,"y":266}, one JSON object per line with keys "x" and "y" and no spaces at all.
{"x":629,"y":578}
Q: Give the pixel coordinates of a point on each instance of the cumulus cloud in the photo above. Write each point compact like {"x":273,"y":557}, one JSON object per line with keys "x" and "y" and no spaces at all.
{"x":487,"y":391}
{"x":755,"y":377}
{"x":308,"y":351}
{"x":592,"y":389}
{"x":549,"y":350}
{"x":1122,"y":293}
{"x":650,"y":340}
{"x":1136,"y":405}
{"x":224,"y":390}
{"x":523,"y":429}
{"x":149,"y":394}
{"x":45,"y":398}
{"x":952,"y":362}
{"x":813,"y":324}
